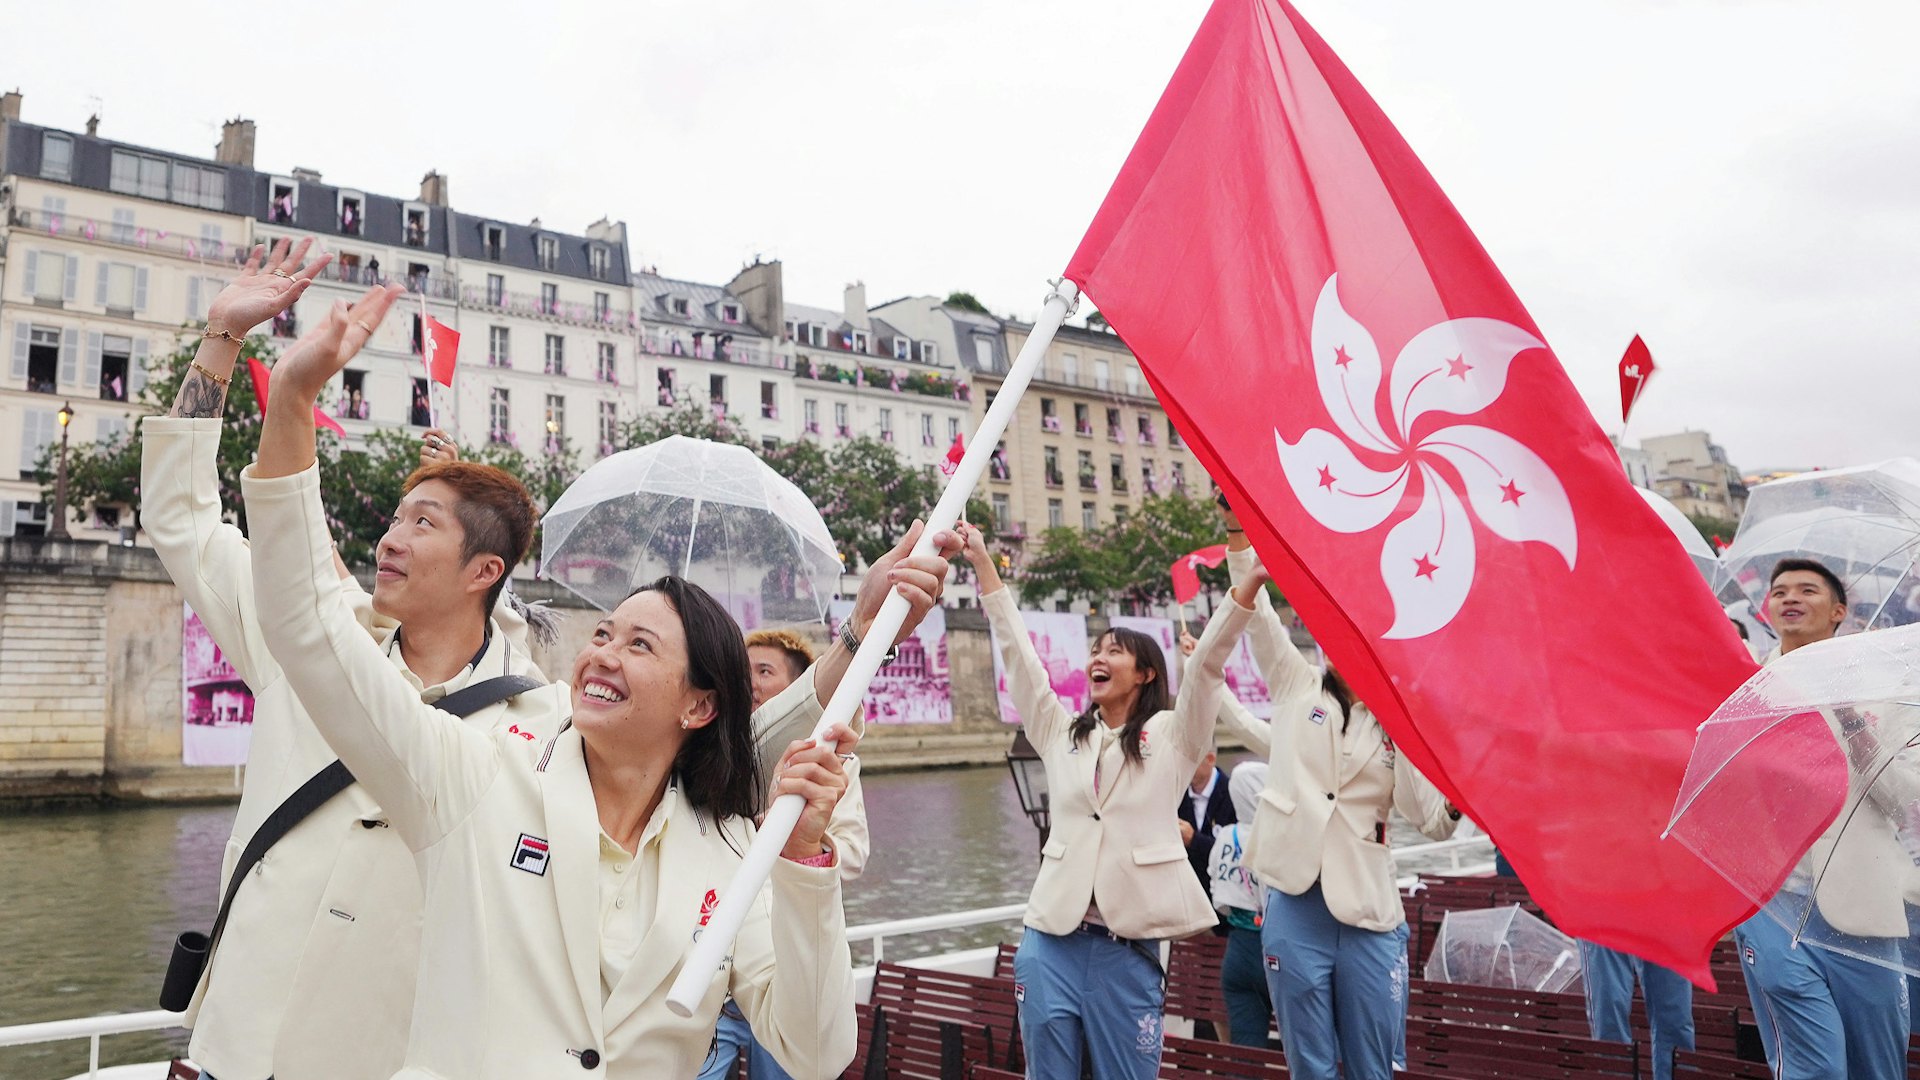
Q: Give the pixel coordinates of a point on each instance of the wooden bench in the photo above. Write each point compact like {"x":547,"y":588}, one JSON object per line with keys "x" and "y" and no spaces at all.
{"x":1003,"y":961}
{"x":981,"y":1072}
{"x":870,"y":1031}
{"x":923,"y":1047}
{"x":1494,"y":1007}
{"x":968,"y":999}
{"x":1472,"y":1050}
{"x":1718,"y":1066}
{"x":1193,"y":983}
{"x":1198,"y":1059}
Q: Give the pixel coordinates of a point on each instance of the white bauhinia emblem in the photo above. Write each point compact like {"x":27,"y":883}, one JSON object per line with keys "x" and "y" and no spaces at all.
{"x":1457,"y":367}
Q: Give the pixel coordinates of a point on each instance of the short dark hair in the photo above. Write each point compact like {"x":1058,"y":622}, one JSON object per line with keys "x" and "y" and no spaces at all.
{"x":495,"y":512}
{"x":798,"y":654}
{"x":1812,"y":566}
{"x":718,"y":765}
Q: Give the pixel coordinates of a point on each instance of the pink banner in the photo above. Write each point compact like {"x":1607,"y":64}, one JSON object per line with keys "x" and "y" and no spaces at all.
{"x":1060,"y":637}
{"x":216,"y":706}
{"x":916,"y":688}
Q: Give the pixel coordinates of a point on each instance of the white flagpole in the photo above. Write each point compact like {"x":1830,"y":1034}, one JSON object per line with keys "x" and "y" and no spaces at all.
{"x":426,"y":336}
{"x":696,"y":973}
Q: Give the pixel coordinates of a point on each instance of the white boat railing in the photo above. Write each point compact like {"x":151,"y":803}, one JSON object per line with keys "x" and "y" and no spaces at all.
{"x":94,"y":1028}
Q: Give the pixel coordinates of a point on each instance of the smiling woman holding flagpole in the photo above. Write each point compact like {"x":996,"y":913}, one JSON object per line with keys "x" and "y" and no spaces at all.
{"x":1114,"y":877}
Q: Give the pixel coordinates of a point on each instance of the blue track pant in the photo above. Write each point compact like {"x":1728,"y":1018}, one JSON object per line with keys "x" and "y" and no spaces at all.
{"x":1339,"y":992}
{"x":1085,"y":993}
{"x":1610,"y":976}
{"x":1822,"y":1015}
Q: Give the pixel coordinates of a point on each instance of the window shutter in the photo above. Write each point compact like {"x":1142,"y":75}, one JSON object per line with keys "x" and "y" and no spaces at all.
{"x":137,"y":370}
{"x":140,"y":289}
{"x":100,"y":287}
{"x":22,"y":341}
{"x":29,"y":438}
{"x":90,"y":375}
{"x":73,"y":278}
{"x":33,"y":273}
{"x":193,"y":300}
{"x":6,"y":517}
{"x":70,"y":356}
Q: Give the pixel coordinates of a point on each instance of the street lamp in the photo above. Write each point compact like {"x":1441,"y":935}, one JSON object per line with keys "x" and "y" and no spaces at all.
{"x":59,"y":526}
{"x":1030,"y":783}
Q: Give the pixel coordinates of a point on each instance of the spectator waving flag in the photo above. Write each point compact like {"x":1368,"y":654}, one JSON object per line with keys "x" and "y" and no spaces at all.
{"x":1186,"y":571}
{"x":1419,"y":474}
{"x":443,"y":349}
{"x":954,"y":453}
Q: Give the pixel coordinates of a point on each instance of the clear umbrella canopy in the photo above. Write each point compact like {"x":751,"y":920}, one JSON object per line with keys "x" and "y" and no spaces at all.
{"x":712,"y":513}
{"x":1504,"y":947}
{"x":1862,"y":522}
{"x":1804,"y":792}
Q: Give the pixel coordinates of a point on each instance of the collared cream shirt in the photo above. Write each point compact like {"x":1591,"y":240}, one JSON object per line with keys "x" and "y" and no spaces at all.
{"x":629,"y":882}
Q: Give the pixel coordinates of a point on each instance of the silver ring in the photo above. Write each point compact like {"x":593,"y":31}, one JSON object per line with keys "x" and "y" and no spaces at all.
{"x":281,"y":273}
{"x":433,"y":440}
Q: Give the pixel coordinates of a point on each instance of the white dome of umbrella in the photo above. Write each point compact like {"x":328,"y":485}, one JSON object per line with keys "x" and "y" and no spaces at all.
{"x":1504,"y":947}
{"x":712,"y":513}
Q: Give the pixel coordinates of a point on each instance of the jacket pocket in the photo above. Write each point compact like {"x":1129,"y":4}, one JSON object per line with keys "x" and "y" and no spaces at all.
{"x":1277,"y":799}
{"x":1151,"y":854}
{"x":1055,"y":849}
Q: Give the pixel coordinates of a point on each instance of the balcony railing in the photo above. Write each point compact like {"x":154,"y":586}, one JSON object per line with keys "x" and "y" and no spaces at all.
{"x":1084,"y":430}
{"x":657,"y":341}
{"x":159,"y":241}
{"x":535,"y":306}
{"x":1050,"y":423}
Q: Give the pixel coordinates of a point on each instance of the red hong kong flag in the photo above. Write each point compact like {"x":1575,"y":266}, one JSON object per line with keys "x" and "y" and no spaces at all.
{"x":1420,"y":476}
{"x":1186,"y":571}
{"x":260,"y":376}
{"x":1636,"y":367}
{"x":954,"y":453}
{"x":443,"y":348}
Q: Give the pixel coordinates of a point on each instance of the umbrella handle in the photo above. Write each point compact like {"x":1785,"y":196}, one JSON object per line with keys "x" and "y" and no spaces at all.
{"x":696,"y":972}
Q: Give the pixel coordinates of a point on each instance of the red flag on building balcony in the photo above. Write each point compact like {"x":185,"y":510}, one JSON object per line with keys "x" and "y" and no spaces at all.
{"x":1186,"y":571}
{"x":260,"y":374}
{"x":1419,"y":474}
{"x":442,"y":349}
{"x":954,"y":453}
{"x":1636,"y":367}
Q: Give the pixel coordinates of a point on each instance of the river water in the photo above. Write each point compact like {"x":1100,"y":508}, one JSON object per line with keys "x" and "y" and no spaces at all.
{"x":93,"y":898}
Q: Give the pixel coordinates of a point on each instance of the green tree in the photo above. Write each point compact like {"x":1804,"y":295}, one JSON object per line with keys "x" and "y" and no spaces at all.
{"x":689,"y":418}
{"x":966,"y":301}
{"x":1160,"y":530}
{"x":1097,"y":322}
{"x":1070,"y":563}
{"x":1711,"y":526}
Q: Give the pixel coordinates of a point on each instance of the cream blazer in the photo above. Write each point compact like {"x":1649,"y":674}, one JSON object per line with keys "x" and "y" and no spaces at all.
{"x":327,"y":931}
{"x":1323,"y":814}
{"x":1119,"y":848}
{"x":506,"y":836}
{"x":1865,"y":876}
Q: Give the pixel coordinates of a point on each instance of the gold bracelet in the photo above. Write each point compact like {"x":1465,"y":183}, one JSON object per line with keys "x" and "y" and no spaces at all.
{"x":224,"y":335}
{"x":218,"y":381}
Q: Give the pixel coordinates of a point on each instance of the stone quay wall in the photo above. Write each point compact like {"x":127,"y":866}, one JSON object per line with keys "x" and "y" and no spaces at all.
{"x":91,"y":691}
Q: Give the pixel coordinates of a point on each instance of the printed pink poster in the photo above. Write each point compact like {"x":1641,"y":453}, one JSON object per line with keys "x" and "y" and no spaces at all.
{"x":916,"y":687}
{"x":1060,"y":637}
{"x":216,"y":705}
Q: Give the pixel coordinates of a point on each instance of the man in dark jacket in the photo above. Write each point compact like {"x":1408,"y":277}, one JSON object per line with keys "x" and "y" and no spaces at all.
{"x":1203,"y":810}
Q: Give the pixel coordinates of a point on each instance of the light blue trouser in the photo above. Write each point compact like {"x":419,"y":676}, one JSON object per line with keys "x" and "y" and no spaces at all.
{"x":1610,"y":977}
{"x":732,"y":1033}
{"x":1822,"y":1015}
{"x":1086,"y":992}
{"x":1339,"y":992}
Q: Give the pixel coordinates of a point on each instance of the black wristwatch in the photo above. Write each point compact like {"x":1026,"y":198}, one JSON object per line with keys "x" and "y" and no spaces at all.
{"x":852,"y":643}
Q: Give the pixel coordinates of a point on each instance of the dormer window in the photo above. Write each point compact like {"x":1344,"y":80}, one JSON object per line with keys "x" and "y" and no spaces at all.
{"x":549,"y":251}
{"x":816,"y":335}
{"x":285,"y":200}
{"x":860,"y":341}
{"x":56,"y":156}
{"x":414,"y":226}
{"x":597,"y":261}
{"x":902,"y":349}
{"x":351,"y":214}
{"x":929,"y":352}
{"x":495,"y":242}
{"x":730,"y":313}
{"x":789,"y":329}
{"x":680,"y":306}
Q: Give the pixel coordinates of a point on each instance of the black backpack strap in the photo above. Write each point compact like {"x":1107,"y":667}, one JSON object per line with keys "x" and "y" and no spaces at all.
{"x":471,"y":699}
{"x":336,"y":778}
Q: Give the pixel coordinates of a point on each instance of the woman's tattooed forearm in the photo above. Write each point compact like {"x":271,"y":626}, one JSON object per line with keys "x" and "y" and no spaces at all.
{"x":199,"y":397}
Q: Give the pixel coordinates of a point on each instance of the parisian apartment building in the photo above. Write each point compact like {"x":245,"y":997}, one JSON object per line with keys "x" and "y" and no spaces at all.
{"x":111,"y":250}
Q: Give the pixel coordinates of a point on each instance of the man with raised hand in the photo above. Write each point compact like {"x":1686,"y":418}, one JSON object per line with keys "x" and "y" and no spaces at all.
{"x":313,"y":970}
{"x":1821,"y":1013}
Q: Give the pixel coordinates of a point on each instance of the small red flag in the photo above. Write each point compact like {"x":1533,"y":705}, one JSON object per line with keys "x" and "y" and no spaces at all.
{"x":260,"y":378}
{"x":443,"y":348}
{"x":1421,"y":478}
{"x":1186,"y":571}
{"x":954,"y":453}
{"x":1636,"y":367}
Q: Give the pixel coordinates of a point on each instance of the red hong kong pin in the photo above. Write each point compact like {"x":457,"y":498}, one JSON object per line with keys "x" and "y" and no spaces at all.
{"x":707,"y":906}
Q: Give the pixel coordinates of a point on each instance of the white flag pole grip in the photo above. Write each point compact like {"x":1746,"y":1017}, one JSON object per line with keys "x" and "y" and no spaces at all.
{"x":696,"y":973}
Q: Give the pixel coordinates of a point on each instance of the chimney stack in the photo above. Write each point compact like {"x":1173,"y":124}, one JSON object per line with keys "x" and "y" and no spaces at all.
{"x":10,"y":105}
{"x":433,"y":189}
{"x":93,"y":126}
{"x":855,"y":303}
{"x":236,"y":143}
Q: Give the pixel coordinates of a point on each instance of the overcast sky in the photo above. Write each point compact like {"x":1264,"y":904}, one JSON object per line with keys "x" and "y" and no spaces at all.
{"x":1737,"y":180}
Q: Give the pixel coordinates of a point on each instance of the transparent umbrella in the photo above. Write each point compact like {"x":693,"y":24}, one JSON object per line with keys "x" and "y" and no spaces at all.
{"x":1862,"y":522}
{"x":1803,"y":791}
{"x":1504,"y":947}
{"x":712,"y":513}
